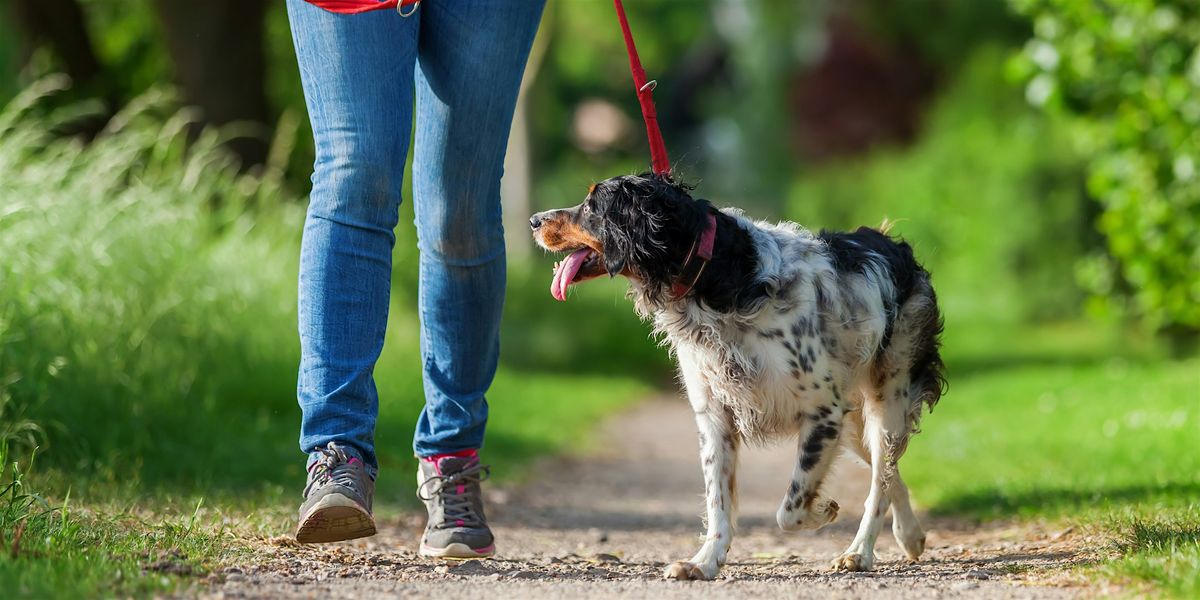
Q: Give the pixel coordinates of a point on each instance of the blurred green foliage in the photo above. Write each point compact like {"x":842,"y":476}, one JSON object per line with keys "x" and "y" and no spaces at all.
{"x":989,"y":198}
{"x":1128,"y":72}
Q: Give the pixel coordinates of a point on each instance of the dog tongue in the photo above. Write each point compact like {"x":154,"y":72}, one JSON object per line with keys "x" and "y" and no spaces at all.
{"x":565,"y":274}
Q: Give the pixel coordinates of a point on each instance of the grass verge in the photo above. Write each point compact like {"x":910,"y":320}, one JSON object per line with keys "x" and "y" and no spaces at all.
{"x":1076,"y":424}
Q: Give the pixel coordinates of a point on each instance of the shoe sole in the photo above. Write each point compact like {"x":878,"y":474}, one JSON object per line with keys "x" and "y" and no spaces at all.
{"x":335,"y":518}
{"x":456,"y":550}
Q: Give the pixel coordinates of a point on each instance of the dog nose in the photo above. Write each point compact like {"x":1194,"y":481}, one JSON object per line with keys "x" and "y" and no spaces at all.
{"x":535,"y":221}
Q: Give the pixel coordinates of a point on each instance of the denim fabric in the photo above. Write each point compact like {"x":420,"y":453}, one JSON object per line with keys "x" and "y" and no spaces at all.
{"x":460,"y":63}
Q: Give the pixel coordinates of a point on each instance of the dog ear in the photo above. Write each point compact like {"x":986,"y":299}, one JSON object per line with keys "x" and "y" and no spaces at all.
{"x":636,"y":215}
{"x":625,"y":215}
{"x":616,"y":253}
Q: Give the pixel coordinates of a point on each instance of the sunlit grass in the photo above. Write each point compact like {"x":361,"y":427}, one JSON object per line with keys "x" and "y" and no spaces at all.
{"x":1073,"y":423}
{"x":1160,"y":547}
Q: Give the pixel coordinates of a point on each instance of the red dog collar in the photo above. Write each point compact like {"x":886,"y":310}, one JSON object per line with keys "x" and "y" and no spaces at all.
{"x":697,"y":258}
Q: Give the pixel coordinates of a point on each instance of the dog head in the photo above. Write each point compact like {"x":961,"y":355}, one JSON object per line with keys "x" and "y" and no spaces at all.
{"x":638,"y":226}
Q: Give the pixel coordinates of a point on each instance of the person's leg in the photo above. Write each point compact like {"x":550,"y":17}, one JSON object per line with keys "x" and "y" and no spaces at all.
{"x":472,"y":54}
{"x":471,"y":58}
{"x":357,"y":76}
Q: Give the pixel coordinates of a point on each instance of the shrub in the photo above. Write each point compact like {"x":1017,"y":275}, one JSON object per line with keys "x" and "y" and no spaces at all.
{"x":1129,"y":72}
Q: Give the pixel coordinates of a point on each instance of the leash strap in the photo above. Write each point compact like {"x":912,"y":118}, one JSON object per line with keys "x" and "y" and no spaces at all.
{"x":354,"y":7}
{"x":659,"y":161}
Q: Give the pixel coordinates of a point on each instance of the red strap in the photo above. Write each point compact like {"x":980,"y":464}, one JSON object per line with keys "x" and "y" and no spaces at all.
{"x":697,"y":258}
{"x":658,"y":150}
{"x":708,"y":238}
{"x":353,"y":7}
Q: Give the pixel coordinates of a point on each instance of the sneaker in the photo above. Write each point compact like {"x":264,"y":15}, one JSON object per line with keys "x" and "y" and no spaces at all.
{"x":337,"y":499}
{"x":457,"y":528}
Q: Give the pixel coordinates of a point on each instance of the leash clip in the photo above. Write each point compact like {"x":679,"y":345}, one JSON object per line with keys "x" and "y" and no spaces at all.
{"x":400,"y":9}
{"x":650,"y":85}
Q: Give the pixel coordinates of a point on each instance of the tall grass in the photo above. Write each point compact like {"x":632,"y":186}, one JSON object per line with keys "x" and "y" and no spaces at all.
{"x":141,"y":314}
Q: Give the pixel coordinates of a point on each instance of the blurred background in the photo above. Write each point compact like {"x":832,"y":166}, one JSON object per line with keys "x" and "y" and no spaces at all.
{"x":1040,"y":155}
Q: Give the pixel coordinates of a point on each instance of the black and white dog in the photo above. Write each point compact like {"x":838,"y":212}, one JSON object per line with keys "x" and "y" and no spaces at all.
{"x":832,"y":338}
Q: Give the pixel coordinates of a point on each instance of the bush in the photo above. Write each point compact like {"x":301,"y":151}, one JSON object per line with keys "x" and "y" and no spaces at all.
{"x":989,"y":197}
{"x":1130,"y":72}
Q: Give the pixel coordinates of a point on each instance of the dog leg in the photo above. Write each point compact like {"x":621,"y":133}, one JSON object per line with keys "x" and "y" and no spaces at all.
{"x":802,"y":506}
{"x":905,"y":525}
{"x":718,"y":456}
{"x":885,"y":435}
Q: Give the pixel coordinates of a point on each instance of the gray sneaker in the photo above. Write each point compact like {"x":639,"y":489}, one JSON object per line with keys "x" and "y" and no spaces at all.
{"x":337,"y":499}
{"x":457,"y":527}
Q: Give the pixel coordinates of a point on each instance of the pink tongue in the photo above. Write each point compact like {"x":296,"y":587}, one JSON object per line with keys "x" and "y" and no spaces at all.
{"x":566,"y":272}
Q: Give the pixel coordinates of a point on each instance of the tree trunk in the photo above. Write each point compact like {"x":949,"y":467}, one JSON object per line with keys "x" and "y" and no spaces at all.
{"x":60,"y":24}
{"x":220,"y":65}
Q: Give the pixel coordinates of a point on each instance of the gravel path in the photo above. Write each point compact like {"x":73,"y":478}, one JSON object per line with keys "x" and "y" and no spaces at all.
{"x":605,"y":526}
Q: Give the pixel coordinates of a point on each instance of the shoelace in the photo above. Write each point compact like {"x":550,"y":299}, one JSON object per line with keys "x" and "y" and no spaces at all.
{"x":457,"y":508}
{"x":333,"y":467}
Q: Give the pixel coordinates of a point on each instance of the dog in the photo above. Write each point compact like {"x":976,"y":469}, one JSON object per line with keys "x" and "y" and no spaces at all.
{"x":832,"y":339}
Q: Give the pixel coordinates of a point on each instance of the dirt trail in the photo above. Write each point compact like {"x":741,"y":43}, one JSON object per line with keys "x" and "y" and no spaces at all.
{"x":606,"y":525}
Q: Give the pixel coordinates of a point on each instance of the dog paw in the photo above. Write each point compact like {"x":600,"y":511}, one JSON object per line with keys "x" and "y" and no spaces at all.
{"x":685,"y":571}
{"x":853,"y":561}
{"x":913,"y":544}
{"x":823,"y":512}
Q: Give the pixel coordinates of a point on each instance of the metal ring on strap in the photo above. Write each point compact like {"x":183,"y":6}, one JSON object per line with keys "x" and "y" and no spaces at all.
{"x":650,"y":85}
{"x":415,"y":6}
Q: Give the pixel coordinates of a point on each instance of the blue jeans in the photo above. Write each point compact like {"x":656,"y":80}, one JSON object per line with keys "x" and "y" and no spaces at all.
{"x":461,"y":61}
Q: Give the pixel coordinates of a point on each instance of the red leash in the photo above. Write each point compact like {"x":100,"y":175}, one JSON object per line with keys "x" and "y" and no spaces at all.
{"x":645,"y":92}
{"x":645,"y":89}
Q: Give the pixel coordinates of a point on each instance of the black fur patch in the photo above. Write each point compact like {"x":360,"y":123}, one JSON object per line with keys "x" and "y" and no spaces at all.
{"x":856,"y":252}
{"x":814,"y":445}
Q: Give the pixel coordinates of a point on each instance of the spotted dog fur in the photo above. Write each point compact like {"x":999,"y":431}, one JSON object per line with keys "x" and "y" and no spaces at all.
{"x":830,"y":339}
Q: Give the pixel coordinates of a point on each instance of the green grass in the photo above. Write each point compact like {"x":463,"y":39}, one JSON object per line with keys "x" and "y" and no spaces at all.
{"x":51,"y":550}
{"x":1158,"y":546}
{"x":1072,"y":423}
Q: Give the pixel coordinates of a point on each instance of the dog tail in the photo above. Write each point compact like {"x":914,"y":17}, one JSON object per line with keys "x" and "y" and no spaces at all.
{"x":927,"y":376}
